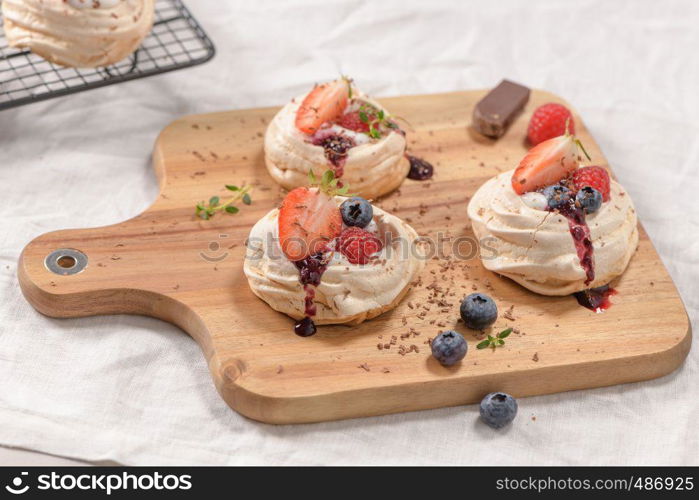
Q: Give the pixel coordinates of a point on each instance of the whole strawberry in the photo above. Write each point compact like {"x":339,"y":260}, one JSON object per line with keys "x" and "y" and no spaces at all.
{"x":358,"y":245}
{"x":548,"y":121}
{"x":595,"y":177}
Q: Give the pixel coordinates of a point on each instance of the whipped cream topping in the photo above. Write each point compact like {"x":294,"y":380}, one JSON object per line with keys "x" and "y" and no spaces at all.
{"x":372,"y":167}
{"x":347,"y":293}
{"x":535,"y":248}
{"x":78,"y":33}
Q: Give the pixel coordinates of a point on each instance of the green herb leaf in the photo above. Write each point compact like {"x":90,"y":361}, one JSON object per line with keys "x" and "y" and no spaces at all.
{"x":483,"y":344}
{"x":246,"y":199}
{"x":500,"y":342}
{"x":312,"y":178}
{"x":505,"y":333}
{"x":232,"y":210}
{"x":328,"y":176}
{"x":380,"y":115}
{"x":231,"y":187}
{"x":213,"y":201}
{"x":374,"y":133}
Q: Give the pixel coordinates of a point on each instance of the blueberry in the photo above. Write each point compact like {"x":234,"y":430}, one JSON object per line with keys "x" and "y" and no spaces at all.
{"x":589,"y":199}
{"x":449,"y":347}
{"x":478,"y":311}
{"x":557,"y":195}
{"x":357,"y":212}
{"x":498,"y":409}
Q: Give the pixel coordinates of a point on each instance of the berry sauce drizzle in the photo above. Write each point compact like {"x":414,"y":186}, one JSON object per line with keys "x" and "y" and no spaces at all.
{"x":310,"y":271}
{"x":420,"y":170}
{"x":581,"y":237}
{"x":596,"y":299}
{"x":336,"y":147}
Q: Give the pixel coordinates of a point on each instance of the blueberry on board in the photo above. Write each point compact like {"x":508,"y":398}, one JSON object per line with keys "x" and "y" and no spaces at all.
{"x":478,"y":311}
{"x":557,"y":195}
{"x":449,"y":347}
{"x":589,"y":199}
{"x":498,"y":409}
{"x":356,"y":211}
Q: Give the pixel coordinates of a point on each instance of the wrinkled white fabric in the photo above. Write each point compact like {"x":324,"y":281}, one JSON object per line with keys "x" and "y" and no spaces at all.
{"x":137,"y":390}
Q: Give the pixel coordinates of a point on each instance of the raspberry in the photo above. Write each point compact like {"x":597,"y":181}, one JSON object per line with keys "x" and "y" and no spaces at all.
{"x":358,"y":245}
{"x":352,"y":121}
{"x":595,"y":177}
{"x":549,"y":121}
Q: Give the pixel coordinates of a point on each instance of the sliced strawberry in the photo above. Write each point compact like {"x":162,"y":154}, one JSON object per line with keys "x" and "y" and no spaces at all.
{"x":324,"y":103}
{"x":546,"y":164}
{"x":308,"y":220}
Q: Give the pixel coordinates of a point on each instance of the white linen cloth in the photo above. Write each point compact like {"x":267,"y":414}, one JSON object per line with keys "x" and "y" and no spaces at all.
{"x":137,"y":391}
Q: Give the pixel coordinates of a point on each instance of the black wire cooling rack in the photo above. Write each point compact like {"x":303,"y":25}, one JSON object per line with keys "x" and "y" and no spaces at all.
{"x":176,"y":41}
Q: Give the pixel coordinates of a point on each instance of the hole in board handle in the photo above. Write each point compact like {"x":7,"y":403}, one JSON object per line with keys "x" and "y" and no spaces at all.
{"x":66,"y":261}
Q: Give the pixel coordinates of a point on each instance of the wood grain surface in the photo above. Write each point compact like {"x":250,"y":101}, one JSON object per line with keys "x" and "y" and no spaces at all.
{"x":171,"y":265}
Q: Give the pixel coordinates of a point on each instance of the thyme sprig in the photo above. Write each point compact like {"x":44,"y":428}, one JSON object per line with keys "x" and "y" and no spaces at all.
{"x":496,"y":341}
{"x":206,"y":210}
{"x":375,"y":119}
{"x":328,"y":183}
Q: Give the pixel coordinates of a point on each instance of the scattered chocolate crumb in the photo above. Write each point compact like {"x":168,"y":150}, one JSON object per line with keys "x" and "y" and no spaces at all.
{"x":385,"y":370}
{"x":364,"y":367}
{"x":280,"y":369}
{"x":535,"y":358}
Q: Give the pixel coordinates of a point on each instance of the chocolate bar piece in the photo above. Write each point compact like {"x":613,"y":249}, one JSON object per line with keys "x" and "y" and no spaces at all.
{"x":496,"y":111}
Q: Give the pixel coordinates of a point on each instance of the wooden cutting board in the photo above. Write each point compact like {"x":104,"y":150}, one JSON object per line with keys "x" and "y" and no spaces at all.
{"x":171,"y":265}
